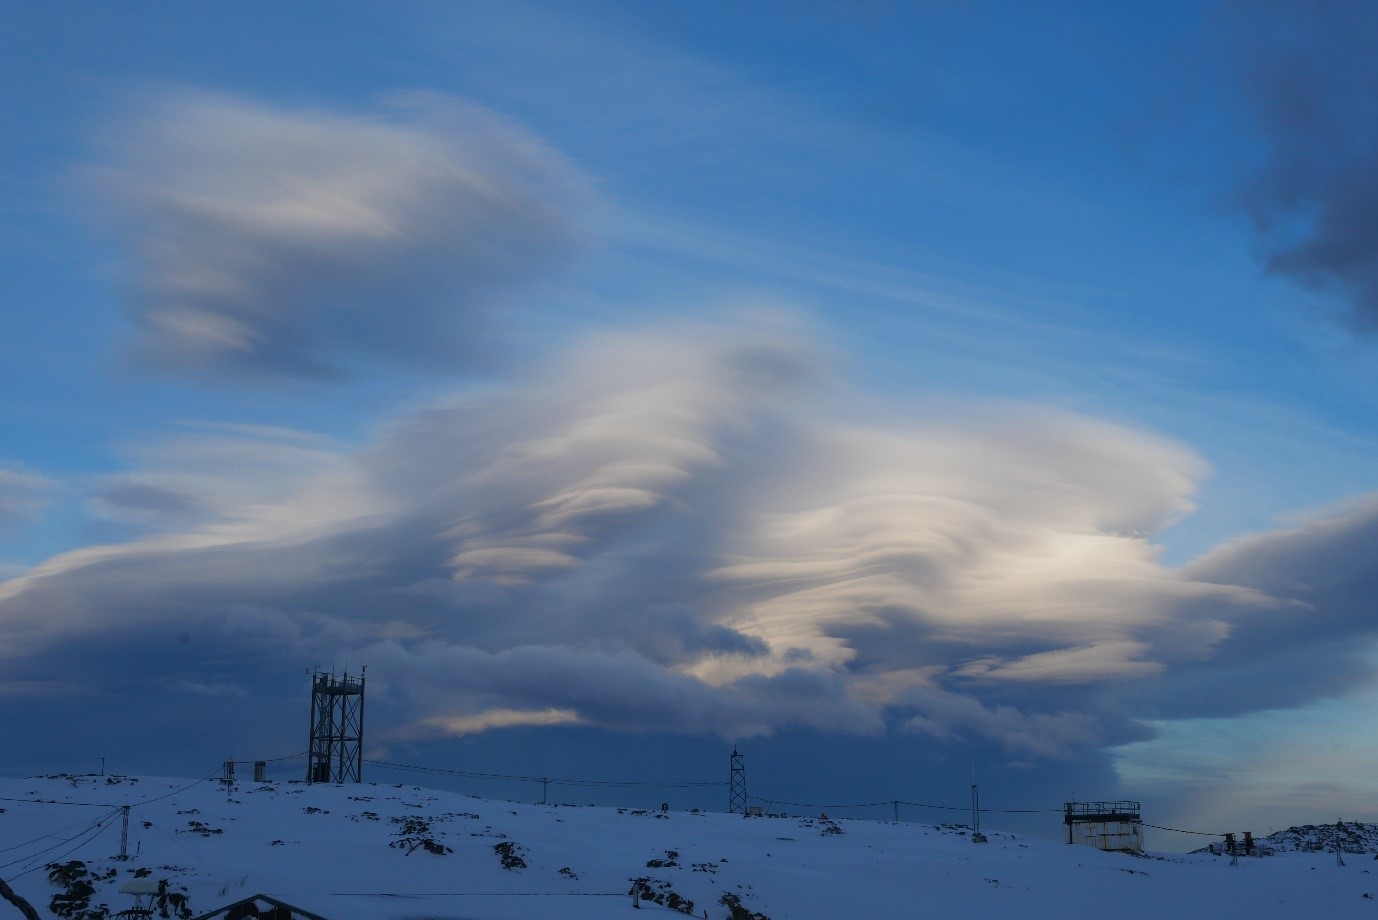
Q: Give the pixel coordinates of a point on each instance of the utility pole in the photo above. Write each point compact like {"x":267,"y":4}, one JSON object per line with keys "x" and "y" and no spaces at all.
{"x":124,"y":832}
{"x":545,"y":789}
{"x":976,"y":835}
{"x":896,"y":803}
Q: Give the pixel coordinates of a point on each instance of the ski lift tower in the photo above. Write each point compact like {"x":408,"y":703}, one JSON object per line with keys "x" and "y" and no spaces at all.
{"x":336,"y":750}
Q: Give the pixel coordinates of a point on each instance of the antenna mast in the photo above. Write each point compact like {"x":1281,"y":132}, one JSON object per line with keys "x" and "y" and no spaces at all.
{"x":736,"y":789}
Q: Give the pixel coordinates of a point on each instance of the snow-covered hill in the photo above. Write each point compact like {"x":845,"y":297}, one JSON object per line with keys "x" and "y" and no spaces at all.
{"x":381,"y":852}
{"x":1348,"y":836}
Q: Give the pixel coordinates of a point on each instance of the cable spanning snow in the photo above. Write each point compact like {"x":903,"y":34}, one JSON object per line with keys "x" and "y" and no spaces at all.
{"x":383,"y":852}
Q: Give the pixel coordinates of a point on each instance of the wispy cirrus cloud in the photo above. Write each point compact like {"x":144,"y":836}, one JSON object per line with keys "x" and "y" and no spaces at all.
{"x":299,"y":242}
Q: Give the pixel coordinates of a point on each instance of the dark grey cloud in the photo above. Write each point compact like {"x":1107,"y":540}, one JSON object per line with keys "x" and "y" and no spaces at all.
{"x":621,"y":689}
{"x":268,"y":241}
{"x":1313,"y":641}
{"x":1310,"y":74}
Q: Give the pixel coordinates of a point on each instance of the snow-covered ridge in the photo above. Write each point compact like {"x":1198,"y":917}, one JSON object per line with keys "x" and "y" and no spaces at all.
{"x":383,"y":852}
{"x":1347,"y":836}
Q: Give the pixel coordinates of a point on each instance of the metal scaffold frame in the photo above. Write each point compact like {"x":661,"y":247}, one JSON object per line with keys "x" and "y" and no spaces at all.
{"x":336,"y":750}
{"x":1110,"y":826}
{"x":736,"y":789}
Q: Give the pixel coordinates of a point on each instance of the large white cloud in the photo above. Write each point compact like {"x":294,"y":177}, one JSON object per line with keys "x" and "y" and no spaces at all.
{"x":270,"y":240}
{"x":693,"y":530}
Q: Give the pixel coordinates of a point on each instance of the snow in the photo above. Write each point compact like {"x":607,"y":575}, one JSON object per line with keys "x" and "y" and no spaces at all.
{"x":359,"y":852}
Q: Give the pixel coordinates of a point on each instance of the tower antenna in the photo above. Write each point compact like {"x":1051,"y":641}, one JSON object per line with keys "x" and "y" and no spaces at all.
{"x":736,"y":787}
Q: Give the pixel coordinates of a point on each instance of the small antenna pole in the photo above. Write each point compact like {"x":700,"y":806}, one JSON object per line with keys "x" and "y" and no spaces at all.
{"x":976,"y":835}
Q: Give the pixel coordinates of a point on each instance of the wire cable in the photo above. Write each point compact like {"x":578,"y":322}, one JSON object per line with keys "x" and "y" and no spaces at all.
{"x":58,"y":802}
{"x":273,"y":759}
{"x":108,"y":804}
{"x":174,"y":792}
{"x":96,"y":825}
{"x":819,"y":804}
{"x":48,"y":836}
{"x":892,"y":802}
{"x":171,"y":838}
{"x":1179,"y":830}
{"x":552,"y":780}
{"x":100,"y":828}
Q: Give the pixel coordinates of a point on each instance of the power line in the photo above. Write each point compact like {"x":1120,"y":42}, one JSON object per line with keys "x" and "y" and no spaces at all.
{"x":999,"y":811}
{"x":107,"y":804}
{"x":58,"y":802}
{"x":1005,"y":811}
{"x":99,"y":829}
{"x":819,"y":804}
{"x":172,"y":839}
{"x":97,"y":825}
{"x":47,"y":836}
{"x":554,"y":781}
{"x":1179,"y":830}
{"x":272,"y":759}
{"x":584,"y":783}
{"x":175,"y":791}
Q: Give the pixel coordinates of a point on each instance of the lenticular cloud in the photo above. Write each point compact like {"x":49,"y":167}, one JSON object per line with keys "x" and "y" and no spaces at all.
{"x":294,"y":242}
{"x":683,"y":530}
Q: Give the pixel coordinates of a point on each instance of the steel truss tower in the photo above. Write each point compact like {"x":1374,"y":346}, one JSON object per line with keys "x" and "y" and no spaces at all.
{"x":336,"y":751}
{"x":736,"y":789}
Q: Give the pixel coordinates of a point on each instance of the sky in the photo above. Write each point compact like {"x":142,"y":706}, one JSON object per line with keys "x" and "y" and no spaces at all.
{"x":901,"y":393}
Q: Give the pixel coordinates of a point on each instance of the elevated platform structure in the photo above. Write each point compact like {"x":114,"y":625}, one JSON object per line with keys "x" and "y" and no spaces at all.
{"x":1115,"y":827}
{"x":336,"y":750}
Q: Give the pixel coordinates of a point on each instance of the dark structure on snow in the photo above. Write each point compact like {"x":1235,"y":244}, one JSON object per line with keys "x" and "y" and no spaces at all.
{"x":736,"y":788}
{"x":1110,"y":826}
{"x":336,"y":751}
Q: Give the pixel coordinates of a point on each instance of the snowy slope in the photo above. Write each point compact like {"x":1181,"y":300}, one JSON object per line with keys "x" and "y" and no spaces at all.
{"x":1348,"y":836}
{"x":380,"y":852}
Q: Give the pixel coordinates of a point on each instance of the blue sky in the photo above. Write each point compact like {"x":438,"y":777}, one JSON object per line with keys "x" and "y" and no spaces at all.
{"x":981,"y":384}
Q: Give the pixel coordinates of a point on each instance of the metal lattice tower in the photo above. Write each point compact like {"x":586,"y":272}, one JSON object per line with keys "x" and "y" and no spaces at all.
{"x":736,"y":790}
{"x":336,"y":751}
